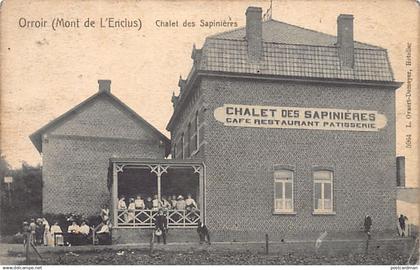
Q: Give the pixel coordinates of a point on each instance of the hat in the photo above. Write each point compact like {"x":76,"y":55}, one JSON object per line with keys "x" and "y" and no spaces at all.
{"x":180,"y":197}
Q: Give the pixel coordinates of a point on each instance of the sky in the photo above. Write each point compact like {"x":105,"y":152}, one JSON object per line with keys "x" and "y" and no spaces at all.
{"x":46,"y":72}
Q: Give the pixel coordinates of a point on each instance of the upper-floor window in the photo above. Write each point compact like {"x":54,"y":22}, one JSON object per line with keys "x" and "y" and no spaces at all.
{"x":323,"y":191}
{"x":182,"y":146}
{"x":197,"y":131}
{"x":174,"y":151}
{"x":283,"y":191}
{"x":189,"y":141}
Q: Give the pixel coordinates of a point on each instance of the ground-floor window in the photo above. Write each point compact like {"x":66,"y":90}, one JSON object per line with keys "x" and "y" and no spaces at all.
{"x":283,"y":191}
{"x":323,"y":191}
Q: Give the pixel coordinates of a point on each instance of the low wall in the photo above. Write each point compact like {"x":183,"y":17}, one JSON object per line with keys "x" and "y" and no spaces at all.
{"x":136,"y":235}
{"x":133,"y":235}
{"x":328,"y":248}
{"x":333,"y":244}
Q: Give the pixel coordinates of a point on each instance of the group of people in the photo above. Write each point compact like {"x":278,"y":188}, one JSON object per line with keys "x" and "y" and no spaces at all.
{"x":402,"y":229}
{"x":83,"y":234}
{"x":165,"y":203}
{"x":39,"y":232}
{"x":161,"y":229}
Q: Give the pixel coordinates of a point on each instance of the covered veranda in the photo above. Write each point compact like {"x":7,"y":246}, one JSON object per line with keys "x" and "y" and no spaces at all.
{"x":149,"y":178}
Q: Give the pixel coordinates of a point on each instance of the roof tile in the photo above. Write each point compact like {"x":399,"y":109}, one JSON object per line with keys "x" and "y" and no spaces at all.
{"x":227,"y":55}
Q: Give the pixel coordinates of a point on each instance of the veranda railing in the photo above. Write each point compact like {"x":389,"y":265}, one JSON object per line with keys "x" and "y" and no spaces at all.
{"x":145,"y":218}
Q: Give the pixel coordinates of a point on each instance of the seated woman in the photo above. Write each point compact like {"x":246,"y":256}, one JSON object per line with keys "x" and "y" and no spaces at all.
{"x":57,"y":234}
{"x":139,"y":203}
{"x":148,"y":203}
{"x":84,"y":231}
{"x":180,"y":203}
{"x":165,"y":204}
{"x":103,"y":235}
{"x":173,"y":201}
{"x":190,"y":203}
{"x":105,"y":213}
{"x":131,"y":210}
{"x":156,"y":204}
{"x":73,"y":234}
{"x":122,"y":206}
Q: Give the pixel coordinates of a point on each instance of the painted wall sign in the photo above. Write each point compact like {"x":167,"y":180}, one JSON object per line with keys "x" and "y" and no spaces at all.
{"x":299,"y":118}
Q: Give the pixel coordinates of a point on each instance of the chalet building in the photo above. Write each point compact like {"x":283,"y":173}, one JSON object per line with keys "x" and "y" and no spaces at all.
{"x":76,"y":148}
{"x":296,"y":129}
{"x":277,"y":129}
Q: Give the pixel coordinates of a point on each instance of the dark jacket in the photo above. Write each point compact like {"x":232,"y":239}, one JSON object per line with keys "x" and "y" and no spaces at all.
{"x":402,"y":221}
{"x":148,"y":204}
{"x":368,"y":223}
{"x":202,"y":229}
{"x":161,"y":222}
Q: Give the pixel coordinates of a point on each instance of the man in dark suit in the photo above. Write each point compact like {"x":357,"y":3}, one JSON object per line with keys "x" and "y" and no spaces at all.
{"x":161,"y":226}
{"x":203,"y":233}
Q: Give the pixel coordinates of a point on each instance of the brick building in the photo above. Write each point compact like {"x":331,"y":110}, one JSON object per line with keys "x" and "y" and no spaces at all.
{"x":296,"y":129}
{"x":277,"y":129}
{"x":76,"y":148}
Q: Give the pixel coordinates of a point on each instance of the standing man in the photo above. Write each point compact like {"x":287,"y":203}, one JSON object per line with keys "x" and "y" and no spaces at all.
{"x":203,"y":233}
{"x":401,"y":221}
{"x":368,"y":225}
{"x":32,"y":228}
{"x":161,"y":226}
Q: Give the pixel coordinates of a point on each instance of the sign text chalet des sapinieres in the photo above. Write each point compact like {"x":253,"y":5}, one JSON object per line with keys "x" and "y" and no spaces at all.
{"x":299,"y":118}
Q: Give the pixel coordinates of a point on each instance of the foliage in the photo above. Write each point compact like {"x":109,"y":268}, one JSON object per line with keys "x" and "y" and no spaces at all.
{"x":24,"y":200}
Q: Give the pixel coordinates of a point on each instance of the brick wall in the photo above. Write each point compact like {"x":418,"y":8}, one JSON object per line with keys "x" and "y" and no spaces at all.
{"x":189,"y":110}
{"x":239,"y":160}
{"x":76,"y":157}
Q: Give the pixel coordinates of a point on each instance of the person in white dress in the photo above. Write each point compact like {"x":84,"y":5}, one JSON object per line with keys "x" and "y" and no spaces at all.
{"x":47,"y":234}
{"x":122,"y":207}
{"x":131,"y":211}
{"x":138,"y":202}
{"x":56,"y":229}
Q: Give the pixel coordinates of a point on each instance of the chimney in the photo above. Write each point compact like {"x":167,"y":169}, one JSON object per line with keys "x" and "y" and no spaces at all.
{"x":345,"y":40}
{"x":254,"y":33}
{"x":104,"y":86}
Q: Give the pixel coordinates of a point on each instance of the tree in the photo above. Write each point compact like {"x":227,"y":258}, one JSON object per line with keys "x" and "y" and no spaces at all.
{"x":26,"y":196}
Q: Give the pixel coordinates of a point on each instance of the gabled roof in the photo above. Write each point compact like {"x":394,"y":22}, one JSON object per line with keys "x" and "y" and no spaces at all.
{"x":281,"y":32}
{"x":293,"y":51}
{"x":36,"y":137}
{"x":307,"y":61}
{"x":289,"y":52}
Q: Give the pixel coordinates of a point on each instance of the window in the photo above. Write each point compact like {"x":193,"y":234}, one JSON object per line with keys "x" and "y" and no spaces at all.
{"x":182,"y":146}
{"x":189,"y":148}
{"x":174,"y":151}
{"x":283,"y":191}
{"x":323,"y":191}
{"x":197,"y":131}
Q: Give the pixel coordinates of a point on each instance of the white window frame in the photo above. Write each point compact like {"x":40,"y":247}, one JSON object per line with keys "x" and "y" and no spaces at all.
{"x":283,"y":182}
{"x":323,"y":210}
